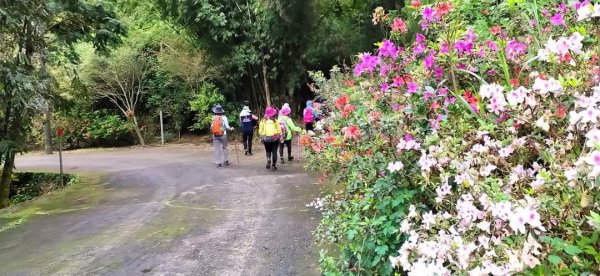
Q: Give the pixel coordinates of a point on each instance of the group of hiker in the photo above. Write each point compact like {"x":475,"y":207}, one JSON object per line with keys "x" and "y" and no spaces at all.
{"x":276,"y":130}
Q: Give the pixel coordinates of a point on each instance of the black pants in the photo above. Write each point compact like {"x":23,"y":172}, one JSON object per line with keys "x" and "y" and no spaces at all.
{"x":247,"y":140}
{"x":271,"y":150}
{"x":310,"y":126}
{"x":287,"y":143}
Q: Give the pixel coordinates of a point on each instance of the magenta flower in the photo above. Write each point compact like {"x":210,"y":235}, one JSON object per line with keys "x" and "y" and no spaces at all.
{"x":388,"y":49}
{"x":412,"y":87}
{"x":428,"y":13}
{"x":444,"y":49}
{"x":367,"y":62}
{"x":439,"y":72}
{"x":419,"y":38}
{"x":557,"y":20}
{"x":384,"y":87}
{"x":407,"y":137}
{"x":430,"y":60}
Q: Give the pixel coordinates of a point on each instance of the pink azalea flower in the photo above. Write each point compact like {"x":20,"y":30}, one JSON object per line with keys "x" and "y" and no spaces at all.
{"x":399,"y":26}
{"x":593,"y":138}
{"x":395,"y":166}
{"x":590,"y":114}
{"x":428,"y":13}
{"x":412,"y":87}
{"x":557,"y":20}
{"x":517,"y":96}
{"x":430,"y":60}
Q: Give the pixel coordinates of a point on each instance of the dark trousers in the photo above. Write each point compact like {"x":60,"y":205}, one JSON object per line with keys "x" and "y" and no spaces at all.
{"x":271,"y":150}
{"x":287,"y":143}
{"x":247,"y":140}
{"x":310,"y":126}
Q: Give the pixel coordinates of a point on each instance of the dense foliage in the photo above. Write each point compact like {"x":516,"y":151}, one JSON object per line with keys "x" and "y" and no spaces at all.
{"x":472,"y":150}
{"x":28,"y":185}
{"x":33,"y":35}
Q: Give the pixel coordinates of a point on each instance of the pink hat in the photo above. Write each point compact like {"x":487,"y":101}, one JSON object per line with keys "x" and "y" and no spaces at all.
{"x":270,"y":112}
{"x":286,"y":110}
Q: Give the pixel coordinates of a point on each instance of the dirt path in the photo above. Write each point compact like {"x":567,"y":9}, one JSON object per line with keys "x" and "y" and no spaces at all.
{"x":164,"y":211}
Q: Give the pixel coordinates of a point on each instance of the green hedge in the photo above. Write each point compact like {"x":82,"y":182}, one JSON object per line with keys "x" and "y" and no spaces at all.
{"x":28,"y":185}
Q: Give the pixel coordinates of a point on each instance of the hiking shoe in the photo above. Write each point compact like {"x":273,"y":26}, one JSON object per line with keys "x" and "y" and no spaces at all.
{"x":226,"y":163}
{"x":274,"y":167}
{"x":246,"y":153}
{"x":268,"y":164}
{"x":282,"y":161}
{"x":290,"y":158}
{"x":250,"y":153}
{"x":219,"y":165}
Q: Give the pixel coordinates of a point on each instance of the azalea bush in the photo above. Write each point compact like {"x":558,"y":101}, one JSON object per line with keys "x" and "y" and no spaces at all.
{"x":474,"y":149}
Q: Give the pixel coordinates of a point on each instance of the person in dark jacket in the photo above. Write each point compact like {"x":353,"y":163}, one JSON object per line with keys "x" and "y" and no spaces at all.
{"x":247,"y":121}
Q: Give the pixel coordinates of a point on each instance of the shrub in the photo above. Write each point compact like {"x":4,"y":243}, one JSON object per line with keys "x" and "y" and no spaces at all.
{"x":28,"y":185}
{"x":205,"y":100}
{"x":97,"y":128}
{"x":473,"y":150}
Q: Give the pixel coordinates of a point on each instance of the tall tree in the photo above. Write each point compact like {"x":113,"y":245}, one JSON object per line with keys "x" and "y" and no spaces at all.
{"x":122,"y":79}
{"x":31,"y":32}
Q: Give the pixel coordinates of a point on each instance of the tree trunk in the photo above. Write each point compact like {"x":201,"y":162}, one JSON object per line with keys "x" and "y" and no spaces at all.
{"x":48,"y":131}
{"x":137,"y":130}
{"x":5,"y":178}
{"x":266,"y":84}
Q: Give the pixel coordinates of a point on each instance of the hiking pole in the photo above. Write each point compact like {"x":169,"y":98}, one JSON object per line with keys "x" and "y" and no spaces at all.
{"x":299,"y":149}
{"x":236,"y":150}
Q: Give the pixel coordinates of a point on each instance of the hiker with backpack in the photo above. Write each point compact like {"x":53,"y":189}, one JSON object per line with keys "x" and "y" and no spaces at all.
{"x":287,"y":127}
{"x":270,"y":134}
{"x":309,"y":116}
{"x":247,"y":120}
{"x":218,"y":128}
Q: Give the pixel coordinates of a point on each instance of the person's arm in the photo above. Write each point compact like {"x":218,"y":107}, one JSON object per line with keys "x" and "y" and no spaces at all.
{"x":261,"y":128}
{"x":292,"y":126}
{"x":226,"y":123}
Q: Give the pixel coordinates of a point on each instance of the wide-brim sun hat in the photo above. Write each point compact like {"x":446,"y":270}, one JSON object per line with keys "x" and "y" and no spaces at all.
{"x":270,"y":112}
{"x":286,"y":110}
{"x":218,"y":109}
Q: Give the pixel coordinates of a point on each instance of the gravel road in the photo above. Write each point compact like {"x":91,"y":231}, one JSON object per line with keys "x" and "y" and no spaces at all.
{"x":163,"y":211}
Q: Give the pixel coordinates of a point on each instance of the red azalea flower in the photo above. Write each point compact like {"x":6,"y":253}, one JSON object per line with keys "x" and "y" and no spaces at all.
{"x":341,"y":101}
{"x":514,"y":82}
{"x":496,"y":30}
{"x":561,"y":112}
{"x":351,"y":133}
{"x":375,"y":115}
{"x":329,"y":139}
{"x":349,"y":108}
{"x":416,"y":4}
{"x":434,"y":105}
{"x":444,"y":8}
{"x":361,"y":197}
{"x":369,"y":152}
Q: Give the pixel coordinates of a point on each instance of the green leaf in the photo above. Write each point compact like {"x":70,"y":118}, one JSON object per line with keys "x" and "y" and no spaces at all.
{"x":555,"y":260}
{"x":351,"y":234}
{"x":572,"y":250}
{"x":381,"y":250}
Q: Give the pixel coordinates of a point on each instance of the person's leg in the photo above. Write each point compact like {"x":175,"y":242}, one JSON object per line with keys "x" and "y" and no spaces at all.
{"x":217,"y":150}
{"x":280,"y":148}
{"x":268,"y":152}
{"x":274,"y":154}
{"x":225,"y":154}
{"x":289,"y":147}
{"x":250,"y":137}
{"x":245,"y":142}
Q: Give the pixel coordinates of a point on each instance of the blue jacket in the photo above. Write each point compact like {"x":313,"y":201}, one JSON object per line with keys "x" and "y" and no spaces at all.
{"x":246,"y":119}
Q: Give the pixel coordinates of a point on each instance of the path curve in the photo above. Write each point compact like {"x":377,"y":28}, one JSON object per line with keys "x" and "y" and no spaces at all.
{"x":164,"y":211}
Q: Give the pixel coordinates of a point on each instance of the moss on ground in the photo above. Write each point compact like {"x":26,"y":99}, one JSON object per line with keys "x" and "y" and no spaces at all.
{"x":81,"y":195}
